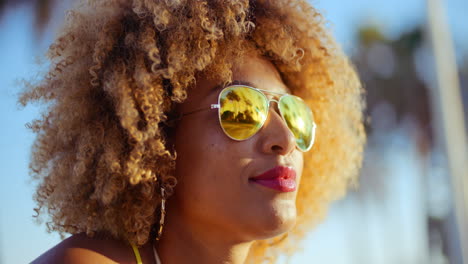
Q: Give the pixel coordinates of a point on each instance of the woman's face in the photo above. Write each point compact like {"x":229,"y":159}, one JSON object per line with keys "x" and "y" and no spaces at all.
{"x":215,"y":187}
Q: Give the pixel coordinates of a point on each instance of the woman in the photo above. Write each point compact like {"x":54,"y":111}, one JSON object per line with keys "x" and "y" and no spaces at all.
{"x":183,"y":131}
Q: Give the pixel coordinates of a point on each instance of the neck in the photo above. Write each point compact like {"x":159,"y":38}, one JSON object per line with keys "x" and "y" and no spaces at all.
{"x":189,"y":242}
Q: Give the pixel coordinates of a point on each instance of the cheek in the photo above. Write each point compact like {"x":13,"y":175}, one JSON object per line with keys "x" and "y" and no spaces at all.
{"x":204,"y":166}
{"x":210,"y":169}
{"x":213,"y":187}
{"x":199,"y":145}
{"x":299,"y":163}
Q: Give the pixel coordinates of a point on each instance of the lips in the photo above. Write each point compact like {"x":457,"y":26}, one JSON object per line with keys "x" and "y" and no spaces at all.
{"x":279,"y":178}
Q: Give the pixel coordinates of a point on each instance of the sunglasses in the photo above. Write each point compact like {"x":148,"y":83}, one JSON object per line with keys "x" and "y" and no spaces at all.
{"x":243,"y":110}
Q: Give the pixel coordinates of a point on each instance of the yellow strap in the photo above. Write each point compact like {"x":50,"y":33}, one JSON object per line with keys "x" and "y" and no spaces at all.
{"x":137,"y":254}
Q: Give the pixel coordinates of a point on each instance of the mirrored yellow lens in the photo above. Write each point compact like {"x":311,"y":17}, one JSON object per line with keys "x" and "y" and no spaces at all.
{"x":299,"y":119}
{"x":242,"y":111}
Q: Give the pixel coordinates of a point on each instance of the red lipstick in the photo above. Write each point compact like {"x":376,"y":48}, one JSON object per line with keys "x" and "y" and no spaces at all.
{"x":279,"y":178}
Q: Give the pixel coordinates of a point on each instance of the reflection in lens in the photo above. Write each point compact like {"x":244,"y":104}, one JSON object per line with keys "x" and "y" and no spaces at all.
{"x":242,"y":112}
{"x":299,"y":119}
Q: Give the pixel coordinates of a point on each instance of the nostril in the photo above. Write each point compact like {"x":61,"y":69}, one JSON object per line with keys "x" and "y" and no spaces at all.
{"x":276,"y":148}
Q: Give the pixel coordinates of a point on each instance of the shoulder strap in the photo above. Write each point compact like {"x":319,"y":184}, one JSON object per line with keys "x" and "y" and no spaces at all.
{"x":137,"y":254}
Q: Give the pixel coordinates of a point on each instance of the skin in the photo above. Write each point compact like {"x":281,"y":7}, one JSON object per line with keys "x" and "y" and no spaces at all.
{"x":215,"y":213}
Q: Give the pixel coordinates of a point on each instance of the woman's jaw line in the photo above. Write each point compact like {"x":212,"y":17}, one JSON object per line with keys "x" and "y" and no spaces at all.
{"x":206,"y":244}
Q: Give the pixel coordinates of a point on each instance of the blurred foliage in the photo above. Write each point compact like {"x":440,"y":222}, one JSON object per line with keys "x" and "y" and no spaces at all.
{"x":394,"y":92}
{"x":369,"y":34}
{"x":42,"y":10}
{"x":388,"y":71}
{"x":396,"y":74}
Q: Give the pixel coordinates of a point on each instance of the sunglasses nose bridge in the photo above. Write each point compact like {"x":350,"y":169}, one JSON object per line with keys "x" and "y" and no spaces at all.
{"x":279,"y":137}
{"x":276,"y":108}
{"x":273,"y":100}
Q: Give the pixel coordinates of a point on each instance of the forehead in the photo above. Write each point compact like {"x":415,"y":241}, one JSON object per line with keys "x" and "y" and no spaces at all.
{"x":254,"y":70}
{"x":260,"y":73}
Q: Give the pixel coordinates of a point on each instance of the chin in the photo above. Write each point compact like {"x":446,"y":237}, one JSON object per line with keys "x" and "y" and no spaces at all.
{"x":277,"y":222}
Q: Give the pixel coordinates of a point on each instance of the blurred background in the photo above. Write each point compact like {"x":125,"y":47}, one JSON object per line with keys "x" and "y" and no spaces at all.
{"x":403,"y":211}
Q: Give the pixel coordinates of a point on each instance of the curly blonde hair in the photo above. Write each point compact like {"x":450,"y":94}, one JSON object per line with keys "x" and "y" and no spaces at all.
{"x":119,"y":68}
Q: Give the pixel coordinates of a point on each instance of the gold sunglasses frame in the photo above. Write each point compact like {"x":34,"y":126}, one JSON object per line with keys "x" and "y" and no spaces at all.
{"x":262,"y":92}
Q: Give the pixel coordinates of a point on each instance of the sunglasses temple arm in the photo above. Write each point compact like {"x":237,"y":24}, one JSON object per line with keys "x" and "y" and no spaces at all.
{"x":213,"y":106}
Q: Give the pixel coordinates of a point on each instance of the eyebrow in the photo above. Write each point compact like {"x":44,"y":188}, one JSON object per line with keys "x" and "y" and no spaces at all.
{"x":235,"y":82}
{"x":247,"y":83}
{"x":240,"y":82}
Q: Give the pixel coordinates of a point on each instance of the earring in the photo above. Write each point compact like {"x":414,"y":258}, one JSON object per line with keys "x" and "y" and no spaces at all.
{"x":163,"y":213}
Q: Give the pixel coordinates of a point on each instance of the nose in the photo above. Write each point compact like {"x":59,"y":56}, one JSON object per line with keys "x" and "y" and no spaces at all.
{"x":276,"y":137}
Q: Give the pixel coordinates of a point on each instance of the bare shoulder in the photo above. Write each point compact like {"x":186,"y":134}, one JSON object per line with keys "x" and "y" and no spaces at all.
{"x":81,"y":249}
